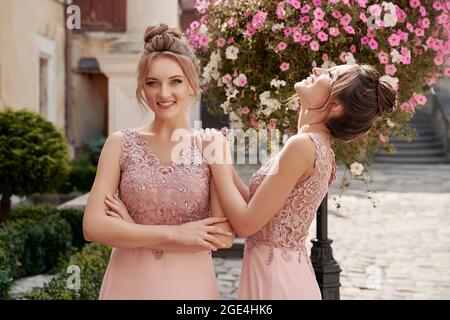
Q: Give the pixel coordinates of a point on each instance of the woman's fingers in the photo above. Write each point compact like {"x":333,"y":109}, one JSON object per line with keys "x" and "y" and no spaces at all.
{"x":113,"y":214}
{"x":215,"y":241}
{"x":214,"y":220}
{"x":207,"y":245}
{"x":112,"y":205}
{"x":218,"y":230}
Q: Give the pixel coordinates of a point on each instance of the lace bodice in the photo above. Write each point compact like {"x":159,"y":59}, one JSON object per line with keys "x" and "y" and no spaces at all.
{"x":158,"y":194}
{"x":288,"y":229}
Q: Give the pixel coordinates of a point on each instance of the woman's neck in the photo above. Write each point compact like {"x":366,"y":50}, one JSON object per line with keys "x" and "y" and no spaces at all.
{"x":312,"y":122}
{"x":166,"y":128}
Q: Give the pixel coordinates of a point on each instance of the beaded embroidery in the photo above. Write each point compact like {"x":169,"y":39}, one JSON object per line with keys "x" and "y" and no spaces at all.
{"x":288,"y":229}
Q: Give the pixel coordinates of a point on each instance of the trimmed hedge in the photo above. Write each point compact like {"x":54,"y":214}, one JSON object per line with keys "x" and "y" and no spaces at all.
{"x":92,"y":262}
{"x":37,"y":239}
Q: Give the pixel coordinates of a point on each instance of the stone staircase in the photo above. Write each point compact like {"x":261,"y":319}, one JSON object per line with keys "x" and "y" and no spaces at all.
{"x":426,"y":148}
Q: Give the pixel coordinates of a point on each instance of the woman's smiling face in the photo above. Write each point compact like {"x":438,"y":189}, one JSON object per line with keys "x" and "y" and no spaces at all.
{"x":167,"y":89}
{"x":314,"y":91}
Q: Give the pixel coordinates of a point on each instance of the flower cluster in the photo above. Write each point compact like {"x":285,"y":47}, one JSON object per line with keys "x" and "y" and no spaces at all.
{"x":253,"y":52}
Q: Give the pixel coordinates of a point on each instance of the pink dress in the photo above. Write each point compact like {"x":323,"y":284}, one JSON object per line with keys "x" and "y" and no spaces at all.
{"x":276,"y":264}
{"x":158,"y":194}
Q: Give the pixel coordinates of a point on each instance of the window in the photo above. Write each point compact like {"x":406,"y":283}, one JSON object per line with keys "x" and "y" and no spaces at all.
{"x":43,"y":87}
{"x":103,"y":15}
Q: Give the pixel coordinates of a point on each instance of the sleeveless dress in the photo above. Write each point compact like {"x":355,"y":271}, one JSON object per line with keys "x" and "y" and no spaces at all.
{"x":168,"y":195}
{"x":276,"y":264}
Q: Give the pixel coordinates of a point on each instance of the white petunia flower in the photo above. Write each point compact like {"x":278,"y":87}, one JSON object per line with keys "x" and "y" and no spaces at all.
{"x":231,"y":53}
{"x":268,"y":105}
{"x":277,"y":83}
{"x":390,"y":19}
{"x":277,"y":26}
{"x":390,"y":123}
{"x":226,"y":107}
{"x":356,"y":168}
{"x":203,"y":29}
{"x":240,"y":81}
{"x":231,"y":92}
{"x":350,"y":59}
{"x":395,"y":55}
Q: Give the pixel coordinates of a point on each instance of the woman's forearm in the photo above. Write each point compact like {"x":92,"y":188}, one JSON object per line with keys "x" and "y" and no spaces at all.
{"x":119,"y":233}
{"x":232,"y":201}
{"x":240,"y":185}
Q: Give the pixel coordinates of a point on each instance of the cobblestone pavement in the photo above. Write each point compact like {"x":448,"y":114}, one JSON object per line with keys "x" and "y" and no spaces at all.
{"x":398,"y":250}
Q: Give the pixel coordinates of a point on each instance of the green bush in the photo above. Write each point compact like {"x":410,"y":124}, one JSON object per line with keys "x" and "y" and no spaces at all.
{"x":74,"y":217}
{"x":5,"y":273}
{"x":34,"y":242}
{"x":33,"y":156}
{"x":34,"y":246}
{"x":81,"y":175}
{"x":92,"y":262}
{"x":95,"y":148}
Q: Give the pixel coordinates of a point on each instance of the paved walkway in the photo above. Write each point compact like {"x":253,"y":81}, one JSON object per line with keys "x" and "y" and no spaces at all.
{"x":398,"y":250}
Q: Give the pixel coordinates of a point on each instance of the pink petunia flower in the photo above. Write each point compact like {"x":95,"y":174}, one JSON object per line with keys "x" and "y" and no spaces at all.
{"x":322,"y":36}
{"x":364,"y":40}
{"x":245,"y":110}
{"x":314,"y":45}
{"x":334,"y":31}
{"x":349,"y":29}
{"x":414,"y":3}
{"x":305,"y":9}
{"x":420,"y":99}
{"x":437,"y":5}
{"x":394,"y":40}
{"x":325,"y":57}
{"x":272,"y":125}
{"x":373,"y":44}
{"x":281,"y":46}
{"x":254,"y":121}
{"x":390,"y":69}
{"x":423,"y":11}
{"x":382,"y":138}
{"x":284,"y":66}
{"x":318,"y":13}
{"x":231,"y":22}
{"x":447,"y":72}
{"x":345,"y":20}
{"x":383,"y":57}
{"x":336,"y":14}
{"x":304,"y":19}
{"x":220,"y":42}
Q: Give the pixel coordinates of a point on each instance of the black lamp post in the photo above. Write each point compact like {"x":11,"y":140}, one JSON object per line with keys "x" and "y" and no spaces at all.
{"x":325,"y":267}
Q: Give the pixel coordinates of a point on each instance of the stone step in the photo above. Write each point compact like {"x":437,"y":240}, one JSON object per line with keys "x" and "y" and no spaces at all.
{"x":411,"y":160}
{"x":419,"y":145}
{"x":418,"y":152}
{"x":420,"y":138}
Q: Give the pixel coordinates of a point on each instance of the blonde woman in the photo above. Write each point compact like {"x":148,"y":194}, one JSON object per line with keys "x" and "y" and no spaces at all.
{"x":166,"y":218}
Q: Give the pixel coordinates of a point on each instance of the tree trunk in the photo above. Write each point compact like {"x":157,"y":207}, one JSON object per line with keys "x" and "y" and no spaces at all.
{"x":5,"y":208}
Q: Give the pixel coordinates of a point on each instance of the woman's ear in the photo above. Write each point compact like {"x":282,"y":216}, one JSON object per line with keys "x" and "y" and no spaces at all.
{"x":336,"y":108}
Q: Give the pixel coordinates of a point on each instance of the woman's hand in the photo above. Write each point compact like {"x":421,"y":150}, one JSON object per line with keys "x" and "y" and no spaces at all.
{"x":216,"y":147}
{"x":117,"y":208}
{"x":199,"y":233}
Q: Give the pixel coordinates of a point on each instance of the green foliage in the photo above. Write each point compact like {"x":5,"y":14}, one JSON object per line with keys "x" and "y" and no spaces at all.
{"x":81,"y":175}
{"x":33,"y":154}
{"x":36,"y":240}
{"x":92,"y":262}
{"x":95,"y":148}
{"x":238,"y":44}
